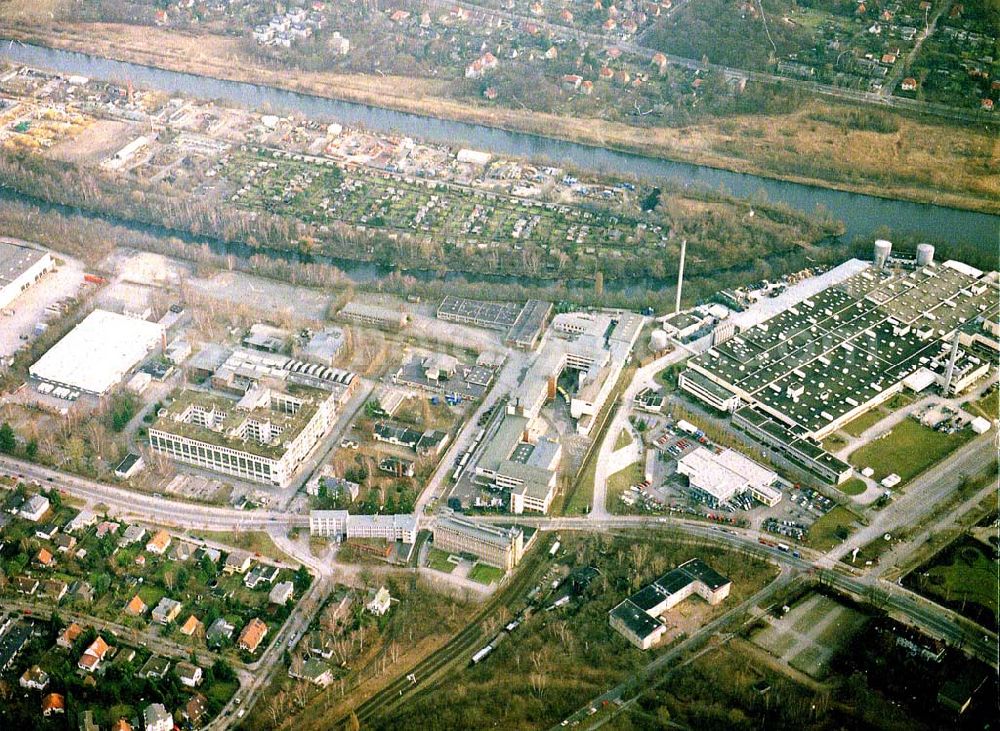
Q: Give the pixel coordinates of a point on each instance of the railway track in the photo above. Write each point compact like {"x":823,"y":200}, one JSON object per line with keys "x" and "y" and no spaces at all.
{"x":459,"y":649}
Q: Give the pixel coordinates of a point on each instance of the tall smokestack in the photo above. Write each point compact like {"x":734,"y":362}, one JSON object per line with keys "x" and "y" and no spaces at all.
{"x":949,"y":374}
{"x":680,"y":275}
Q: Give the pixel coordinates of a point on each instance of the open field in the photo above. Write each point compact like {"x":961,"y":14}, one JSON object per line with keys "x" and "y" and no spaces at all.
{"x":253,"y":541}
{"x":964,"y":577}
{"x":485,"y":574}
{"x":831,"y":529}
{"x":621,"y":481}
{"x":624,"y":439}
{"x":909,"y":449}
{"x":922,"y":160}
{"x":810,"y":634}
{"x":988,"y":406}
{"x":867,"y":420}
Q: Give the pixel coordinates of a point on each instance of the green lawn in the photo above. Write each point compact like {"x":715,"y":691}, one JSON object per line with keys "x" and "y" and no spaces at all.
{"x":854,"y":486}
{"x":485,"y":574}
{"x":988,"y":406}
{"x":831,"y":529}
{"x":909,"y":449}
{"x":867,"y":420}
{"x":253,"y":541}
{"x":621,"y":481}
{"x":438,"y":560}
{"x":966,"y":574}
{"x":834,"y":442}
{"x":624,"y":439}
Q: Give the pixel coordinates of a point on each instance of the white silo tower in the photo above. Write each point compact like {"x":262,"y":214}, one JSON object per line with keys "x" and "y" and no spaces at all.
{"x":658,"y":341}
{"x":883,"y":249}
{"x":925,"y":255}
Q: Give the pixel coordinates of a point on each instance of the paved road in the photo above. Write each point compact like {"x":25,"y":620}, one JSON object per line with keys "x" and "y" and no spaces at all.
{"x":125,"y":502}
{"x":644,"y":377}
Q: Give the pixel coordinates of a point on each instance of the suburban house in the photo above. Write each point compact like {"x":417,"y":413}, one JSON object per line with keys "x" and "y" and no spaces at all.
{"x":159,"y":543}
{"x":34,"y":678}
{"x":237,"y":562}
{"x":192,"y":626}
{"x":155,"y":717}
{"x":135,"y":607}
{"x":69,"y":635}
{"x":189,"y":674}
{"x":378,"y":603}
{"x":53,"y":704}
{"x":93,"y":655}
{"x":252,"y":635}
{"x":166,"y":611}
{"x":281,"y":593}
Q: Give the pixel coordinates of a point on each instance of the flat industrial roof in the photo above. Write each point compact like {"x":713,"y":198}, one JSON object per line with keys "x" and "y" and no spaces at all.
{"x":97,"y":353}
{"x":15,"y":259}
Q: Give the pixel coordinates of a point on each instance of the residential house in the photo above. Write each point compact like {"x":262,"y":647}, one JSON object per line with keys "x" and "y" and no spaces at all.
{"x":379,"y":602}
{"x":81,"y":521}
{"x":54,"y":589}
{"x":87,"y":722}
{"x":315,"y":671}
{"x":261,"y":573}
{"x":45,"y":558}
{"x":155,"y":717}
{"x":220,"y":631}
{"x":908,"y":84}
{"x":159,"y":543}
{"x":481,"y":66}
{"x":34,"y":508}
{"x":107,"y":526}
{"x":195,"y":709}
{"x":64,"y":542}
{"x":93,"y":655}
{"x":26,"y":585}
{"x":136,"y":607}
{"x":180,"y":551}
{"x":192,"y":626}
{"x":46,"y":531}
{"x":281,"y":593}
{"x":133,"y":534}
{"x":121,"y":725}
{"x":54,"y":704}
{"x":189,"y":674}
{"x":237,"y":562}
{"x":252,"y":635}
{"x":155,"y":667}
{"x":34,"y":678}
{"x":69,"y":635}
{"x":166,"y":611}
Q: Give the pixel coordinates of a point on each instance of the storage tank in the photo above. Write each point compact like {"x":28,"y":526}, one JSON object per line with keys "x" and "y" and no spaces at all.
{"x":925,"y":255}
{"x":658,"y":340}
{"x":883,"y":249}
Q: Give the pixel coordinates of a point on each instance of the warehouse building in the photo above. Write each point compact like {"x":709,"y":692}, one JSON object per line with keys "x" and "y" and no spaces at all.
{"x":523,"y":325}
{"x":493,"y":544}
{"x":20,"y":267}
{"x":822,"y":361}
{"x":718,"y":478}
{"x":264,"y":437}
{"x":97,"y":354}
{"x":638,"y":618}
{"x":375,"y":316}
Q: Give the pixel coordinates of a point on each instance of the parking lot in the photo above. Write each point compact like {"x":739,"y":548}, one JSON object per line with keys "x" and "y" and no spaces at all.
{"x":666,"y":491}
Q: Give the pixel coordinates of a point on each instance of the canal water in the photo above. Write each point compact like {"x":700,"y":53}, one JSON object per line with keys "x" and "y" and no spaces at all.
{"x":862,"y":214}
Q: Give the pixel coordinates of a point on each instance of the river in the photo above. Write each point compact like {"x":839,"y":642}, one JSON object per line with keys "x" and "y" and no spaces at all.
{"x":862,"y":214}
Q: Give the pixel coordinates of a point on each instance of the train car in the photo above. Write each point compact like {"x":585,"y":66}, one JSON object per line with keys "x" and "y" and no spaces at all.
{"x":482,"y":654}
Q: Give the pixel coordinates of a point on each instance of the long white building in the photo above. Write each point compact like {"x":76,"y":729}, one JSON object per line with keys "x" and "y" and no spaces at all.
{"x":20,"y":267}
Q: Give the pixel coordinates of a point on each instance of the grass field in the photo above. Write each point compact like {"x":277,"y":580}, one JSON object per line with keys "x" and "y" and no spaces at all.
{"x":964,"y":577}
{"x":438,"y":560}
{"x":854,"y":486}
{"x":485,"y":574}
{"x":624,"y":439}
{"x":810,"y":634}
{"x":909,"y":449}
{"x":254,"y":541}
{"x":621,"y":481}
{"x":831,"y":529}
{"x":867,"y":420}
{"x":988,"y":406}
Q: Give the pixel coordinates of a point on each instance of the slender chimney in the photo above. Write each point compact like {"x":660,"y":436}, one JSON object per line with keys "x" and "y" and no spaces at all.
{"x":680,"y":275}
